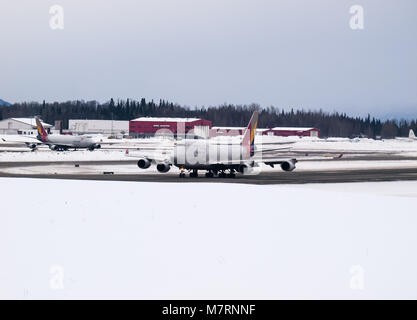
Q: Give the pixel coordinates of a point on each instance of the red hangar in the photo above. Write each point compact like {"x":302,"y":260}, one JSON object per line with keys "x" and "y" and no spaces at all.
{"x":148,"y":126}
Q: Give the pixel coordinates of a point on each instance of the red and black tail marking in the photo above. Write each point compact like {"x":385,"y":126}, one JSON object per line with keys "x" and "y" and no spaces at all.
{"x":249,"y":135}
{"x":42,"y":134}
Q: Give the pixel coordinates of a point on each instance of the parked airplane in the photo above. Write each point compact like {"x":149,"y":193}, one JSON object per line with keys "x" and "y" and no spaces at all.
{"x":214,"y":157}
{"x":63,"y":142}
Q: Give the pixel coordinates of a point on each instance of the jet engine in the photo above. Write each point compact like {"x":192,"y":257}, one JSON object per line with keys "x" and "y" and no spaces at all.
{"x":144,"y":163}
{"x":94,"y":147}
{"x":32,"y":146}
{"x":163,"y":167}
{"x":288,"y":165}
{"x":52,"y":147}
{"x":245,"y":168}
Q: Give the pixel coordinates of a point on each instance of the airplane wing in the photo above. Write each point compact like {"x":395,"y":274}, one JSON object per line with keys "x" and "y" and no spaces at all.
{"x":138,"y":147}
{"x":28,"y":141}
{"x":272,"y":161}
{"x":266,"y":150}
{"x":279,"y":160}
{"x":19,"y":139}
{"x":161,"y":156}
{"x":153,"y":156}
{"x":279,"y":143}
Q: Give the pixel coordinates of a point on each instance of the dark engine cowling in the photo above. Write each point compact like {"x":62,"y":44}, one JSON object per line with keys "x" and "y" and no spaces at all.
{"x":144,"y":163}
{"x":163,"y":167}
{"x":288,"y":165}
{"x":53,"y":147}
{"x":245,"y":169}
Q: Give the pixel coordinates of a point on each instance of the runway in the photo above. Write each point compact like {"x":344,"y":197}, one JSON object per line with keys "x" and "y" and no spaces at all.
{"x":265,"y":178}
{"x":353,"y":167}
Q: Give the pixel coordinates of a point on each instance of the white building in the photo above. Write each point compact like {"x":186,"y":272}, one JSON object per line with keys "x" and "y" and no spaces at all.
{"x":110,"y":127}
{"x":233,"y":131}
{"x":25,"y":126}
{"x":277,"y":131}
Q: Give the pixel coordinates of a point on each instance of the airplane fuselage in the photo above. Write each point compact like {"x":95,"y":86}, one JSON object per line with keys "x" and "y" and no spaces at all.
{"x":71,"y":141}
{"x":204,"y":155}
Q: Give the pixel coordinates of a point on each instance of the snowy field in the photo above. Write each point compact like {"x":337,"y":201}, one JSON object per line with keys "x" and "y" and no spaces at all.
{"x":90,"y":239}
{"x":344,"y":144}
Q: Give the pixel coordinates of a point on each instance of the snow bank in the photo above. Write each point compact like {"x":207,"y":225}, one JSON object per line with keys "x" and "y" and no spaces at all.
{"x":344,"y":144}
{"x":90,"y":239}
{"x":81,"y":155}
{"x":389,"y":145}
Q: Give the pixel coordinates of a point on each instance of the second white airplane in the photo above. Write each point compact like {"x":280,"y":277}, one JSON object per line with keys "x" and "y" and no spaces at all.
{"x":215,"y":158}
{"x":62,"y":142}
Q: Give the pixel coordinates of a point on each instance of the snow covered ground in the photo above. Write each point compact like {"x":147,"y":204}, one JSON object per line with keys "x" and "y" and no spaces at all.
{"x":91,"y":239}
{"x":344,"y":144}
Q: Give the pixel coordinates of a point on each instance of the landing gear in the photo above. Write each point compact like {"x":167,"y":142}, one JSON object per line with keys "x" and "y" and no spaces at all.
{"x":222,"y":174}
{"x":94,"y":147}
{"x":231,"y":174}
{"x":209,"y":174}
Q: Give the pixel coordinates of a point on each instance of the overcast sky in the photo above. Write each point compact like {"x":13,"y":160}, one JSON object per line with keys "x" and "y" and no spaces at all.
{"x":286,"y":53}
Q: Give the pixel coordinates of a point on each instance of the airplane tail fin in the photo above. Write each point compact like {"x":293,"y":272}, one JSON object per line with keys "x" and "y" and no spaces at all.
{"x":42,"y":134}
{"x":248,"y":140}
{"x":412,"y":135}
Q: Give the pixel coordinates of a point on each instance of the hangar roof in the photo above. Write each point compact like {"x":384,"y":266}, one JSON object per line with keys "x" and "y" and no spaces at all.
{"x":154,"y":119}
{"x":229,"y":128}
{"x":293,"y":128}
{"x":30,"y":122}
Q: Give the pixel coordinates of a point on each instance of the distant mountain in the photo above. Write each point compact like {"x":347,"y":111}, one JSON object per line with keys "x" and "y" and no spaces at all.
{"x":4,"y":103}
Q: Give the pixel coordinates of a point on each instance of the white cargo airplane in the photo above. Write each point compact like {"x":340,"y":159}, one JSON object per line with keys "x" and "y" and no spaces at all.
{"x":214,"y":157}
{"x":63,"y":142}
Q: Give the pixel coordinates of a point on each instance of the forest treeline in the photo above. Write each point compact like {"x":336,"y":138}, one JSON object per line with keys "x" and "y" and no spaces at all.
{"x":330,"y":124}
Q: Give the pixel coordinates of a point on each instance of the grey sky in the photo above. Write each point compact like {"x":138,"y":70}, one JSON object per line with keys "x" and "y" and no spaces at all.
{"x":298,"y":53}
